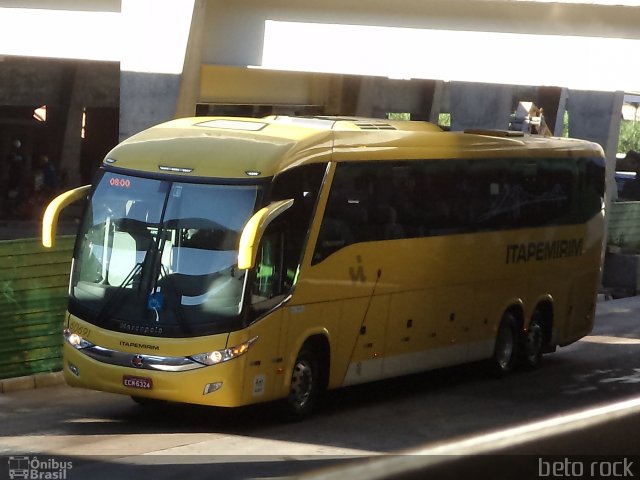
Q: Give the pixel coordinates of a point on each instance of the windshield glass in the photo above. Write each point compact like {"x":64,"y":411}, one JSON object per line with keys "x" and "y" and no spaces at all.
{"x":159,"y":257}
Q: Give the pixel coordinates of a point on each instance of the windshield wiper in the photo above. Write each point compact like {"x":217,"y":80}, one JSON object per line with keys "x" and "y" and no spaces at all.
{"x":170,"y":283}
{"x":106,"y":310}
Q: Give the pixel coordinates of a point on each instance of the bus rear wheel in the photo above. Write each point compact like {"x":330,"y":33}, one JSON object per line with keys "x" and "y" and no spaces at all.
{"x":305,"y":386}
{"x":505,"y":353}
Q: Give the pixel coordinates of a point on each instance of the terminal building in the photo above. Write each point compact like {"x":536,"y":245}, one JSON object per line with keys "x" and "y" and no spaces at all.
{"x":77,"y":77}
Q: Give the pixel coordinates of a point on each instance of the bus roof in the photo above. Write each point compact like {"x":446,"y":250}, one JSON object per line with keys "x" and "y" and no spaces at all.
{"x":240,"y":148}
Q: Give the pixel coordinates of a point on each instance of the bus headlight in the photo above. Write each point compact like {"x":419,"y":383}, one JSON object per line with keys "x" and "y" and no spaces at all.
{"x":220,"y":356}
{"x":75,"y":340}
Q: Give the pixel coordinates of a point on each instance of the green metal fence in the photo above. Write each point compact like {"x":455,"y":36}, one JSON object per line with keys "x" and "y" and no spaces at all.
{"x":33,"y":298}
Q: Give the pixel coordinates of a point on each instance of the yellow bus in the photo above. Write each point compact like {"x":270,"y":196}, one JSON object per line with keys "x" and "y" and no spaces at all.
{"x":230,"y":261}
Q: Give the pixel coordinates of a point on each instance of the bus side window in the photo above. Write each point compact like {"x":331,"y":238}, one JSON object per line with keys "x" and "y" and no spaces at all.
{"x":282,"y":246}
{"x":346,"y":216}
{"x":302,"y":184}
{"x":268,"y":275}
{"x":269,"y":279}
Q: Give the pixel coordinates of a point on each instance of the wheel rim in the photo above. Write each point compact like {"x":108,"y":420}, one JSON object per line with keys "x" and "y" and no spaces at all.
{"x":534,"y":342}
{"x":301,"y":384}
{"x":505,"y":347}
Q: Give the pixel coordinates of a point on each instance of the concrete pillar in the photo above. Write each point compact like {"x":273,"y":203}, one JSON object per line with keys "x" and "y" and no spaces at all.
{"x":480,"y":105}
{"x":366,"y":97}
{"x":558,"y":128}
{"x":189,"y":93}
{"x":596,"y":116}
{"x":71,"y":107}
{"x":339,"y":95}
{"x":156,"y":34}
{"x":437,"y":102}
{"x":550,"y":100}
{"x":344,"y":98}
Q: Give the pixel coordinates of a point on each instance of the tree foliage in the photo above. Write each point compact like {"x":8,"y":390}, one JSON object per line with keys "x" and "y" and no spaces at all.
{"x":629,"y":136}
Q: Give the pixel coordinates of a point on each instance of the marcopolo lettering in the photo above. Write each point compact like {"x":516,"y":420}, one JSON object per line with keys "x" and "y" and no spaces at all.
{"x":544,"y":251}
{"x":142,"y":329}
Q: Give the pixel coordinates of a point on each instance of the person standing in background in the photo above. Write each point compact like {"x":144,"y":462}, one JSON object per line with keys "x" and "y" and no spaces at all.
{"x":13,"y":183}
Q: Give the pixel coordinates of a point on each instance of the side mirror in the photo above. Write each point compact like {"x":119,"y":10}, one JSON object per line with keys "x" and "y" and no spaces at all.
{"x":50,"y":218}
{"x":254,"y":229}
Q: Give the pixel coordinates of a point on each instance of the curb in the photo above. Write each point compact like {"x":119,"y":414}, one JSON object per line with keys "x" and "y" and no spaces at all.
{"x":39,"y":380}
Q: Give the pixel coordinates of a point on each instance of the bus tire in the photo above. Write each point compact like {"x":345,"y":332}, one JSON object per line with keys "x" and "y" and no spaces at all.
{"x":306,"y":386}
{"x":533,"y":342}
{"x":505,"y":352}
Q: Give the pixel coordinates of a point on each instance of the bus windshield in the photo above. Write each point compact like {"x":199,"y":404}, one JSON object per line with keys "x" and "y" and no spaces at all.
{"x":159,"y":258}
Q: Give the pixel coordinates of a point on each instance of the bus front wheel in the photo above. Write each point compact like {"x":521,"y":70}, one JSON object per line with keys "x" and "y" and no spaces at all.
{"x":505,"y":353}
{"x":305,"y":386}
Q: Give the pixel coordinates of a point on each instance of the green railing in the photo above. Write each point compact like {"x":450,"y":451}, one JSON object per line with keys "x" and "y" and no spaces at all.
{"x":33,"y":299}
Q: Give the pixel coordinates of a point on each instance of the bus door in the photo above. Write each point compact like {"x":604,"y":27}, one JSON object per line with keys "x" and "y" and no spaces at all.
{"x":428,"y":329}
{"x":452,"y":312}
{"x":369,"y":350}
{"x":411,"y":332}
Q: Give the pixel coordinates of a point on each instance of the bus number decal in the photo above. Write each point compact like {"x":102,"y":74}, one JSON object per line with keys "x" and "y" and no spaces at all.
{"x":75,"y":327}
{"x":120,"y":182}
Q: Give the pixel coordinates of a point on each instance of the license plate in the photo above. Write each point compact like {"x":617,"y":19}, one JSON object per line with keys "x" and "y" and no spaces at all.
{"x":137,"y":382}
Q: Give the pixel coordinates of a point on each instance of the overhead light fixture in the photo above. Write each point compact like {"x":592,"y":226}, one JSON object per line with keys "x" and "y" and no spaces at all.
{"x":166,"y":168}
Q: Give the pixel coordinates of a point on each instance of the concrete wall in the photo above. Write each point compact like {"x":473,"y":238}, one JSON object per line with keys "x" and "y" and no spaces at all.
{"x":31,"y":81}
{"x":66,"y":87}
